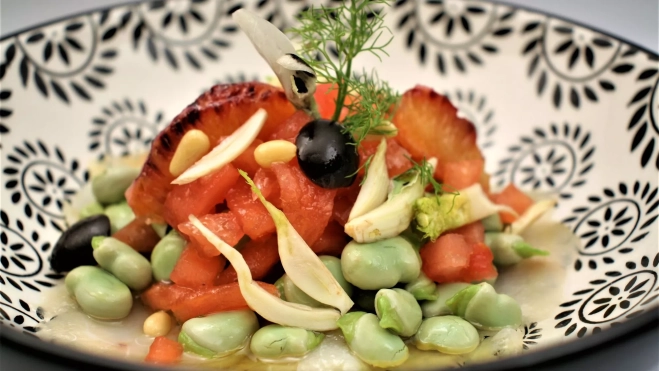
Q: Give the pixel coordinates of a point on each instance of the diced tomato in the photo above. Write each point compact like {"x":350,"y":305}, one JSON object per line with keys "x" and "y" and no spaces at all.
{"x":253,"y":217}
{"x":194,"y":270}
{"x":473,"y":233}
{"x":164,"y":351}
{"x":332,"y":241}
{"x":260,"y":257}
{"x":485,"y":182}
{"x":513,"y":197}
{"x":199,"y":197}
{"x":162,"y":296}
{"x":307,"y":206}
{"x":397,"y":157}
{"x":138,"y":234}
{"x":481,"y":267}
{"x":225,"y":225}
{"x":446,"y":259}
{"x":215,"y":299}
{"x":291,"y":127}
{"x":325,"y":96}
{"x":344,"y":200}
{"x":245,"y":161}
{"x":266,"y":181}
{"x":460,"y":174}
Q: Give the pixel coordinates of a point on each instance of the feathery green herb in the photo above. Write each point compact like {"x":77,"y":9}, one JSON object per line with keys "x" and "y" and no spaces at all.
{"x":350,"y":29}
{"x":427,"y":176}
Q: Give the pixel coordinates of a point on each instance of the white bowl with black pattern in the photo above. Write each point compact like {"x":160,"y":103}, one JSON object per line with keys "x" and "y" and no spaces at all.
{"x":560,"y":108}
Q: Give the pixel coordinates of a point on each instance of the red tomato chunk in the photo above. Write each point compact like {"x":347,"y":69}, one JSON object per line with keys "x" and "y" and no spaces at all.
{"x":199,"y":197}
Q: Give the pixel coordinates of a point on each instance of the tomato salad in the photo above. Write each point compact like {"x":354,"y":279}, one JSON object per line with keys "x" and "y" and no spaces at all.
{"x":280,"y":213}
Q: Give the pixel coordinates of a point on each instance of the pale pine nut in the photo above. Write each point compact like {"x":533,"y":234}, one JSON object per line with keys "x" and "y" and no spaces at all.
{"x":274,"y":151}
{"x":157,"y":324}
{"x":193,"y":146}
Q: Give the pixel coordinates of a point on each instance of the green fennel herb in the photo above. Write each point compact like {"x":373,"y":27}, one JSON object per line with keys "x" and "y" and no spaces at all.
{"x":348,"y":30}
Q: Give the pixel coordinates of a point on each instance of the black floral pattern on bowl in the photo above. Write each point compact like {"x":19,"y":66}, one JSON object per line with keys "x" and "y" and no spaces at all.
{"x":5,"y":112}
{"x":452,"y":34}
{"x":63,"y":59}
{"x":614,"y":220}
{"x":124,"y":127}
{"x":569,"y":62}
{"x":532,"y":332}
{"x":552,"y":161}
{"x":42,"y":179}
{"x":181,"y":32}
{"x":22,"y":264}
{"x":611,"y":299}
{"x":644,"y":122}
{"x":15,"y":312}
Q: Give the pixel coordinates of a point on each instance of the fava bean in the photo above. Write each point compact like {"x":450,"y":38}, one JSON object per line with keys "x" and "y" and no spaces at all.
{"x":92,"y":209}
{"x":370,"y":342}
{"x":447,"y":334}
{"x":110,"y":186}
{"x":129,"y":266}
{"x":165,"y":255}
{"x":220,"y":334}
{"x":398,"y":311}
{"x":275,"y":341}
{"x":120,"y":215}
{"x":422,"y":288}
{"x":99,"y":293}
{"x":381,"y":264}
{"x":484,"y":308}
{"x":438,"y":307}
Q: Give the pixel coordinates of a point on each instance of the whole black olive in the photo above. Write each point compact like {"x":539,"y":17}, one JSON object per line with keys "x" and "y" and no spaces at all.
{"x":327,"y":155}
{"x":74,"y":247}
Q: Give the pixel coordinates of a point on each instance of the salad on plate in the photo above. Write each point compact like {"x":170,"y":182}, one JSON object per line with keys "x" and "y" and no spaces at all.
{"x":320,"y":222}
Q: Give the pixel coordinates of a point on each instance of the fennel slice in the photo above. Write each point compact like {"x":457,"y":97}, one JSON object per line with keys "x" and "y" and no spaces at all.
{"x":262,"y":302}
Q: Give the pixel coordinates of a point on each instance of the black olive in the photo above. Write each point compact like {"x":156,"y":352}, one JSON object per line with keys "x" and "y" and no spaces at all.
{"x":74,"y":247}
{"x":327,"y":155}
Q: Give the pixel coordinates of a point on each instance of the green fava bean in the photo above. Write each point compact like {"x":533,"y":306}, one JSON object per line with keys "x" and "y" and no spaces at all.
{"x":110,"y":186}
{"x":293,"y":294}
{"x":92,"y":209}
{"x":443,"y":292}
{"x":165,"y":255}
{"x":509,"y":249}
{"x":160,"y":229}
{"x":129,"y":266}
{"x":120,"y":215}
{"x":422,"y":288}
{"x":381,"y":264}
{"x":370,"y":342}
{"x":485,"y":309}
{"x":398,"y":311}
{"x":447,"y":334}
{"x":279,"y":284}
{"x":98,"y":293}
{"x":492,"y":223}
{"x":220,"y":334}
{"x":275,"y":341}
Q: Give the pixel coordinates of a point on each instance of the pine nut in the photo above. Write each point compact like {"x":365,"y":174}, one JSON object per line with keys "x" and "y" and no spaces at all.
{"x":193,"y":146}
{"x":274,"y":151}
{"x":157,"y":324}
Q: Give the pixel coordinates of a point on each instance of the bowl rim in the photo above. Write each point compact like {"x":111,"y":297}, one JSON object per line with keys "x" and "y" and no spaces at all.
{"x":499,"y":2}
{"x":552,"y":355}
